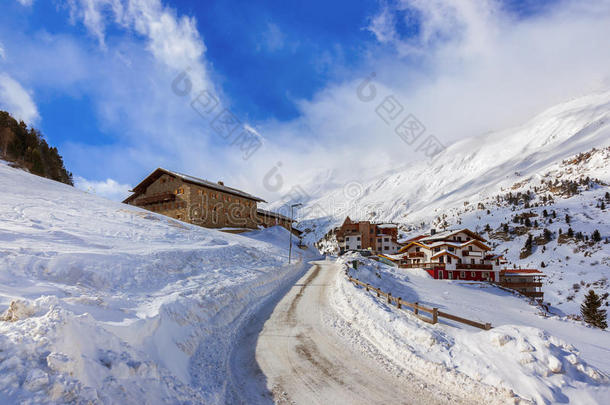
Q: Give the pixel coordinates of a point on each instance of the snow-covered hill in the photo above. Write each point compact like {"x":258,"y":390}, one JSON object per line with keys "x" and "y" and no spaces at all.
{"x":543,"y":359}
{"x":107,"y":303}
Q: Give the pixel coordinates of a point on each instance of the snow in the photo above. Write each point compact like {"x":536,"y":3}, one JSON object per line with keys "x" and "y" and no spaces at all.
{"x":107,"y":302}
{"x":544,"y":359}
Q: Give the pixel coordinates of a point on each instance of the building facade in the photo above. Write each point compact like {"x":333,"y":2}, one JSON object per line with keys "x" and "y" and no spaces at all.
{"x":454,"y":255}
{"x":528,"y":282}
{"x":364,"y":235}
{"x":194,"y":200}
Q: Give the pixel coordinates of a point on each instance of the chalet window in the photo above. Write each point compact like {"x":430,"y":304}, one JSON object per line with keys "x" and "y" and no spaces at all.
{"x":347,"y":238}
{"x":437,"y":249}
{"x":471,"y":261}
{"x":378,"y":240}
{"x":450,"y":275}
{"x":470,"y":248}
{"x":440,"y":274}
{"x":358,"y":247}
{"x":386,"y":248}
{"x":473,"y":274}
{"x":462,"y":274}
{"x":417,"y":249}
{"x":451,"y":249}
{"x":358,"y":238}
{"x":386,"y":239}
{"x":485,"y":274}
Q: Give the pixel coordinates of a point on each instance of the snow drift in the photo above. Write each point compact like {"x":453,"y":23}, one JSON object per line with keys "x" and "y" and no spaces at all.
{"x":108,"y":303}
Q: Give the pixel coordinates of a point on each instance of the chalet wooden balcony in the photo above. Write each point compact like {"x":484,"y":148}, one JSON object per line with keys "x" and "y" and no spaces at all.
{"x":416,"y":254}
{"x":532,"y":284}
{"x":470,"y":266}
{"x":155,"y":199}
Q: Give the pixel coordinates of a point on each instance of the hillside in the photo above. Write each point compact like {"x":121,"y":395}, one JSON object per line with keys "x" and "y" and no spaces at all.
{"x":26,"y":148}
{"x":107,"y":303}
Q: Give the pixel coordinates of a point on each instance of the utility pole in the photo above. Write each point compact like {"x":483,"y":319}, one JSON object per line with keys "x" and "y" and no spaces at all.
{"x":290,"y":245}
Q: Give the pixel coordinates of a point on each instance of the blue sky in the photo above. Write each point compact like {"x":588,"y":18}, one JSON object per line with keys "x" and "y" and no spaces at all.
{"x":95,"y":76}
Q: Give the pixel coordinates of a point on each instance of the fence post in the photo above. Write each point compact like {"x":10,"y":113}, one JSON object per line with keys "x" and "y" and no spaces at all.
{"x":398,"y":304}
{"x":367,"y":287}
{"x":415,"y":310}
{"x":487,"y":326}
{"x":389,"y":298}
{"x":377,"y":292}
{"x":434,"y":315}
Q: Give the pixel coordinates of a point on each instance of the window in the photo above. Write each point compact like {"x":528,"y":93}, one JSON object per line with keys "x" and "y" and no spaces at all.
{"x":462,"y":274}
{"x":417,"y":249}
{"x":450,"y":275}
{"x":358,"y":247}
{"x":470,"y":248}
{"x":358,"y":238}
{"x":471,"y":261}
{"x":473,"y":274}
{"x":451,"y":249}
{"x":347,"y":238}
{"x":379,"y":240}
{"x":437,"y":249}
{"x":386,"y":239}
{"x":386,"y":248}
{"x":440,"y":274}
{"x":485,"y":274}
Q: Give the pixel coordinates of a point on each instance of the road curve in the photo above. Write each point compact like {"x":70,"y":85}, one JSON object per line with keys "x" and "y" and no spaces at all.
{"x":305,"y":362}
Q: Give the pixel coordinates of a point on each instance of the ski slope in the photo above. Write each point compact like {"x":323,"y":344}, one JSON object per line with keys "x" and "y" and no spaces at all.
{"x":104,"y":302}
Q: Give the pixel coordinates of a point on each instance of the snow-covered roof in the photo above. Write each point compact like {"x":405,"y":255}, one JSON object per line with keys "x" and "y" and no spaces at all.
{"x":387,"y":226}
{"x":191,"y":179}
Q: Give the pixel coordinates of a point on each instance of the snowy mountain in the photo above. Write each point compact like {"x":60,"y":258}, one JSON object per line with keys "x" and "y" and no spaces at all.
{"x":468,"y":170}
{"x":107,"y":303}
{"x":561,"y":157}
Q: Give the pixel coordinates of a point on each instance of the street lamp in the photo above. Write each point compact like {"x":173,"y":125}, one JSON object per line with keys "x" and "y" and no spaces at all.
{"x":290,"y":246}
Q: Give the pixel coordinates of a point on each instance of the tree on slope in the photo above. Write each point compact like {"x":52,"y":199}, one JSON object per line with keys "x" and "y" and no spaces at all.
{"x":590,"y":311}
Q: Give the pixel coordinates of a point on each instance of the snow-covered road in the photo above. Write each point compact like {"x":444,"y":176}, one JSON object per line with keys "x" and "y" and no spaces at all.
{"x":304,"y":360}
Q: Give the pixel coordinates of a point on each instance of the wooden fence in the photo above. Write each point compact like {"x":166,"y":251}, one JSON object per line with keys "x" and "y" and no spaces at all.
{"x":417,"y":308}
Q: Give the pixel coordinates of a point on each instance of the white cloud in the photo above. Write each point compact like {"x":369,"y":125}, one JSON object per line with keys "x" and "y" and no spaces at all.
{"x":26,"y":3}
{"x":473,"y":68}
{"x":2,"y":52}
{"x":16,"y":100}
{"x":108,"y":188}
{"x":172,"y":40}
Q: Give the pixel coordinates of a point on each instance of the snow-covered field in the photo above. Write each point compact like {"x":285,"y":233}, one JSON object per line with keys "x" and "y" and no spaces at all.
{"x":108,"y":303}
{"x":542,"y":359}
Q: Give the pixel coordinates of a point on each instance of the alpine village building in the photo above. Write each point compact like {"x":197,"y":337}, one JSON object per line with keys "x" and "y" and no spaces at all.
{"x":364,"y":235}
{"x":453,"y":255}
{"x":201,"y":202}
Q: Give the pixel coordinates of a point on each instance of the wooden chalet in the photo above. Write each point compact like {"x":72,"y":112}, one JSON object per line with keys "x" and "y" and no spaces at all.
{"x":197,"y":201}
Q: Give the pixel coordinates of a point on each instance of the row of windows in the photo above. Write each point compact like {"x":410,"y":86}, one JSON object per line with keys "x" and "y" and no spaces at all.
{"x":462,"y":275}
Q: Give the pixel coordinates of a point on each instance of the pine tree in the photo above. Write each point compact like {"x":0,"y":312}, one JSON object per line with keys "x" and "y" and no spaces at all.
{"x":554,"y":214}
{"x":545,"y":213}
{"x":542,"y":265}
{"x":547,"y":235}
{"x":570,"y":232}
{"x":596,"y":236}
{"x":567,"y":219}
{"x":528,"y":222}
{"x":591,"y":312}
{"x":602,"y":206}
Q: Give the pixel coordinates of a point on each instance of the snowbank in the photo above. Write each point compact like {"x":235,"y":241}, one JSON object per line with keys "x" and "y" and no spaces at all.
{"x":543,"y":360}
{"x":106,"y":302}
